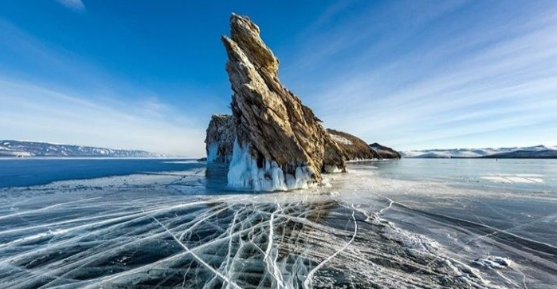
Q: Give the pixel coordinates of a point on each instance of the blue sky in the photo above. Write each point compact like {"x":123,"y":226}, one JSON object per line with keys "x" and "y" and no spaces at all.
{"x":408,"y":74}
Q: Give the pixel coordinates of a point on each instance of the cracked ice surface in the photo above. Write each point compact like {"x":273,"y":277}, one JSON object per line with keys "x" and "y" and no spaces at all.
{"x":181,"y":230}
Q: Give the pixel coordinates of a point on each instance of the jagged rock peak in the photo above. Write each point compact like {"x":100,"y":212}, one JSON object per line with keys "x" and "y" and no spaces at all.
{"x":246,"y":35}
{"x":273,"y":128}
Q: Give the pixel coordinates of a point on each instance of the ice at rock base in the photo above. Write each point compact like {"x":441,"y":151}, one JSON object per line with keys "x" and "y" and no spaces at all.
{"x":244,"y":173}
{"x":212,"y":152}
{"x":332,"y":169}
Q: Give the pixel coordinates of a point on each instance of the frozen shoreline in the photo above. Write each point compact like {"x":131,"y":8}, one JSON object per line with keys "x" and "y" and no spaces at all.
{"x":366,"y":229}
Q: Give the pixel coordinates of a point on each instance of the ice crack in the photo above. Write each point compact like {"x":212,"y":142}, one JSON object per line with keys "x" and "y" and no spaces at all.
{"x":217,"y":273}
{"x":307,"y":282}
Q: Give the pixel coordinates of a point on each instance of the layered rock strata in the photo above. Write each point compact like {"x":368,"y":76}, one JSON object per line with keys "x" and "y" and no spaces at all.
{"x":279,"y":143}
{"x":353,"y":148}
{"x":272,"y":141}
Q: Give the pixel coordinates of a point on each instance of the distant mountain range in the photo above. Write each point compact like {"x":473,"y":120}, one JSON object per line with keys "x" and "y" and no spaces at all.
{"x":502,"y":153}
{"x":12,"y":148}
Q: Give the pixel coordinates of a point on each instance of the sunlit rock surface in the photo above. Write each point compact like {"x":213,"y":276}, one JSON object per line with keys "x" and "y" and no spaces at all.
{"x":280,"y":144}
{"x":352,"y":147}
{"x":272,"y":141}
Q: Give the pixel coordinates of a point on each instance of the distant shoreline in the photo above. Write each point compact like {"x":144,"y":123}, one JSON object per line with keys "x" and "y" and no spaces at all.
{"x":486,"y":157}
{"x":94,"y":158}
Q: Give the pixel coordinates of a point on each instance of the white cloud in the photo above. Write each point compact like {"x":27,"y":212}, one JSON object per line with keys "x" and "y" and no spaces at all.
{"x":490,"y":79}
{"x":36,"y":113}
{"x":76,"y":5}
{"x":79,"y":102}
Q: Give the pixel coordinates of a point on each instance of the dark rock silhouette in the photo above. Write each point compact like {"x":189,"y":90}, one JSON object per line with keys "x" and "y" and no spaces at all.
{"x":384,"y":152}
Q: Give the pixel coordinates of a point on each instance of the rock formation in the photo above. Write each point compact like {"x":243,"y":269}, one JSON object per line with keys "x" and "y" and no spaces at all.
{"x":280,"y":144}
{"x":219,"y":141}
{"x":353,"y":148}
{"x":272,"y":141}
{"x":221,"y":136}
{"x":384,"y":152}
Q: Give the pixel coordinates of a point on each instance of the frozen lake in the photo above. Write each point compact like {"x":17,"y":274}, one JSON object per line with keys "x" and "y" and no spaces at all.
{"x":412,"y":223}
{"x":31,"y":172}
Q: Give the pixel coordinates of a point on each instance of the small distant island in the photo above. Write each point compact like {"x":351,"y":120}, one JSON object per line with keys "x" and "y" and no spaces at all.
{"x":20,"y":149}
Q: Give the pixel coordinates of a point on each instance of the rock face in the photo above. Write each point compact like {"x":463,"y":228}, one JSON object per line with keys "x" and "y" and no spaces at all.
{"x":279,"y":144}
{"x":353,"y":148}
{"x":219,"y":141}
{"x":271,"y":141}
{"x":384,"y":152}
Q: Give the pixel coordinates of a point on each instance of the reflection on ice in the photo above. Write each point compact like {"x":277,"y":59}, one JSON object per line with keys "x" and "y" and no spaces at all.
{"x":178,"y":231}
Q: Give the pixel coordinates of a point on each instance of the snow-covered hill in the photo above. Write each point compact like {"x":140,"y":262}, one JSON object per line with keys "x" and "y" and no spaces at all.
{"x":514,"y":152}
{"x":385,"y":152}
{"x":12,"y":148}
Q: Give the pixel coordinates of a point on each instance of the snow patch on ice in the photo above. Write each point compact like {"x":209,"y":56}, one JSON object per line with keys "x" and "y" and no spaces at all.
{"x":48,"y":234}
{"x":493,"y":262}
{"x":393,"y":233}
{"x":513,"y":178}
{"x":407,"y":239}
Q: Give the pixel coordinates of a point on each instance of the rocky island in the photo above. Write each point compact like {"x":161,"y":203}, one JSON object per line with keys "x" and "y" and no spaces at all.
{"x":272,"y":141}
{"x":352,"y":147}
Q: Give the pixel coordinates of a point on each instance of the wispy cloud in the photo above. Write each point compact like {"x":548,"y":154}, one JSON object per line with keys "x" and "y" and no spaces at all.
{"x":444,"y":79}
{"x":75,"y":101}
{"x":30,"y":111}
{"x":408,"y":74}
{"x":76,"y":5}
